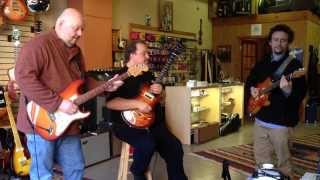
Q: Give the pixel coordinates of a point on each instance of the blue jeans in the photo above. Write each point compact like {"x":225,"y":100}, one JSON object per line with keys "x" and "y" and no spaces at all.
{"x":65,"y":151}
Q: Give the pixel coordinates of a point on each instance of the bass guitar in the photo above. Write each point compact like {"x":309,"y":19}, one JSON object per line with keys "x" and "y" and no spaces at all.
{"x":265,"y":87}
{"x":52,"y":125}
{"x":15,"y":10}
{"x":141,"y":120}
{"x":21,"y":163}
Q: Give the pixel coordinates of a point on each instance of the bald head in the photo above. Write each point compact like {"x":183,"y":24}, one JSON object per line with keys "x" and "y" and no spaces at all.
{"x":69,"y":26}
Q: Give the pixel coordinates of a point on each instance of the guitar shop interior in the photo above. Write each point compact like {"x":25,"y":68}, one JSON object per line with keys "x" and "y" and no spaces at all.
{"x":222,"y":39}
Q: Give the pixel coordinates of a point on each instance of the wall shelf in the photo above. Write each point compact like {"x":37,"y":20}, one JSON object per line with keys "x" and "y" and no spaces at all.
{"x":268,"y":18}
{"x":155,"y":30}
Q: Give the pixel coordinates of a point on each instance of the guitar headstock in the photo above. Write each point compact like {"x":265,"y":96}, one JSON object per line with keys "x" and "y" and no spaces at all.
{"x":15,"y":36}
{"x":175,"y":47}
{"x":37,"y":27}
{"x":298,"y":73}
{"x":296,"y":53}
{"x":2,"y":98}
{"x":137,"y":69}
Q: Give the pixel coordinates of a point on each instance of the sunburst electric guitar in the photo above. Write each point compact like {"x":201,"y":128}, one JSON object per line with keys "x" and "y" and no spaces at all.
{"x":141,"y":120}
{"x":15,"y":10}
{"x":21,"y":163}
{"x":265,"y":88}
{"x":52,"y":125}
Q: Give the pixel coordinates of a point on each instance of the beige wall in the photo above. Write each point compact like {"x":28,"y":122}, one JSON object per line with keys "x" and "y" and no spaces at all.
{"x":49,"y":18}
{"x":186,"y":16}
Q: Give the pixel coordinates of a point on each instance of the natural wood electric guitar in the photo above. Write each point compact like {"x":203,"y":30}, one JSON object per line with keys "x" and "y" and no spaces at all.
{"x":265,"y":88}
{"x":21,"y":163}
{"x":15,"y":10}
{"x":52,"y":125}
{"x":141,"y":120}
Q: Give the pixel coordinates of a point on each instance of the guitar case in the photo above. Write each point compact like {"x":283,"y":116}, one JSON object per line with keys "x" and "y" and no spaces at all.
{"x":229,"y":124}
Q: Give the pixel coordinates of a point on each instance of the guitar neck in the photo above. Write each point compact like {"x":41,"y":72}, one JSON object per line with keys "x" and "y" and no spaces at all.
{"x":12,"y":122}
{"x":166,"y":67}
{"x":98,"y":90}
{"x":275,"y":84}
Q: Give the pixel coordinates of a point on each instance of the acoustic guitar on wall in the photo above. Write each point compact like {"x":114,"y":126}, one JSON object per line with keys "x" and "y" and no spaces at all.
{"x":15,"y":10}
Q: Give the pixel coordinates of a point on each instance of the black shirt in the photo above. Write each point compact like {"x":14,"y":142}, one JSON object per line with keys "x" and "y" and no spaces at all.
{"x":282,"y":110}
{"x":129,"y":90}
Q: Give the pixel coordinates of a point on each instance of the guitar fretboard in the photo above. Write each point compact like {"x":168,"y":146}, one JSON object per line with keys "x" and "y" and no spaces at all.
{"x":12,"y":122}
{"x":98,"y":90}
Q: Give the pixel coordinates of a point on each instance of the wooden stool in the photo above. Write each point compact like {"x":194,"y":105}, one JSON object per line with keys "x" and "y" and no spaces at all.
{"x":124,"y":163}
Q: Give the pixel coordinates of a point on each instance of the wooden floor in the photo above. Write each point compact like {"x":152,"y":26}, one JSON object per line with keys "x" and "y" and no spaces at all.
{"x":195,"y":167}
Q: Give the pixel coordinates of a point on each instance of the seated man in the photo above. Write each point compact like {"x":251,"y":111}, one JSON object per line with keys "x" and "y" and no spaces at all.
{"x":148,"y":140}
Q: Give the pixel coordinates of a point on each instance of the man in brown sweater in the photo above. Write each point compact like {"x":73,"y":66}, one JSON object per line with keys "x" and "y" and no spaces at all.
{"x":46,"y":65}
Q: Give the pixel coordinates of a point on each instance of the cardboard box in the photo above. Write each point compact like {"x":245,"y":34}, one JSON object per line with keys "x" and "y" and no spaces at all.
{"x":205,"y":133}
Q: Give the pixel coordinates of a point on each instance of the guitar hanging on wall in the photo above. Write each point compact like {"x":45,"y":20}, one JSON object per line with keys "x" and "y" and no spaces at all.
{"x":200,"y":33}
{"x":38,"y":5}
{"x":14,"y":37}
{"x":21,"y":162}
{"x":15,"y":10}
{"x":141,"y":120}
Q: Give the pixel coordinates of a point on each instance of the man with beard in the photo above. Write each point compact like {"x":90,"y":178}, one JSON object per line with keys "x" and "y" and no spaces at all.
{"x":274,"y":122}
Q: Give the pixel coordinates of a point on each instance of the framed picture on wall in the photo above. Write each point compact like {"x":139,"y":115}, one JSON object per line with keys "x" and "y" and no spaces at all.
{"x":166,"y":15}
{"x":224,"y":53}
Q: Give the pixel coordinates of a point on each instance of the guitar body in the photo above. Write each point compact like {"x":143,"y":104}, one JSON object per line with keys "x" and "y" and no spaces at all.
{"x":21,"y":163}
{"x":15,"y":10}
{"x":52,"y":125}
{"x":141,"y":120}
{"x":138,"y":119}
{"x":255,"y":104}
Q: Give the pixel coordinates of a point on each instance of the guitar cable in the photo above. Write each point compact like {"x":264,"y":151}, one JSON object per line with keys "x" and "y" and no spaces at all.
{"x":34,"y":140}
{"x":36,"y":154}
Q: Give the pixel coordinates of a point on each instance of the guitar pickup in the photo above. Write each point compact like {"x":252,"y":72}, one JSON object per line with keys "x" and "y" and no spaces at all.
{"x":149,"y":95}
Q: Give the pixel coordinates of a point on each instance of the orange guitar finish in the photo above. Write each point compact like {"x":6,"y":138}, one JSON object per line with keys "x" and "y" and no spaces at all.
{"x":52,"y":125}
{"x":265,"y":88}
{"x":144,"y":120}
{"x":46,"y":124}
{"x":15,"y":10}
{"x":255,"y":104}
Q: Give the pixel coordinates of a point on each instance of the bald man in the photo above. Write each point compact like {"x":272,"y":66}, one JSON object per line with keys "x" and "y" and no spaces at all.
{"x":46,"y":65}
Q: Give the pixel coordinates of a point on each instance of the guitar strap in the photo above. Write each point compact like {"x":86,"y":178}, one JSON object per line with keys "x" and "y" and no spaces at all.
{"x":277,"y":74}
{"x":29,"y":120}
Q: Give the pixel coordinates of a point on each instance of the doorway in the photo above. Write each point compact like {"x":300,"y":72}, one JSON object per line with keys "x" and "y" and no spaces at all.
{"x":252,"y":49}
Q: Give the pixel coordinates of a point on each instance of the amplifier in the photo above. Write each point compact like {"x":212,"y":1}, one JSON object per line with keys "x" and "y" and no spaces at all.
{"x":96,"y":148}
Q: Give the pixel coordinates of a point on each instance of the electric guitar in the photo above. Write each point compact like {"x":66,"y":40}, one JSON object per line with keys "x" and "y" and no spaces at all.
{"x":52,"y":125}
{"x":265,"y":87}
{"x":141,"y":120}
{"x":21,"y":163}
{"x":15,"y":10}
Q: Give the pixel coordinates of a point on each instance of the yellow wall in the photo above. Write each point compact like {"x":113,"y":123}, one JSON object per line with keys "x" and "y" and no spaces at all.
{"x":186,"y":16}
